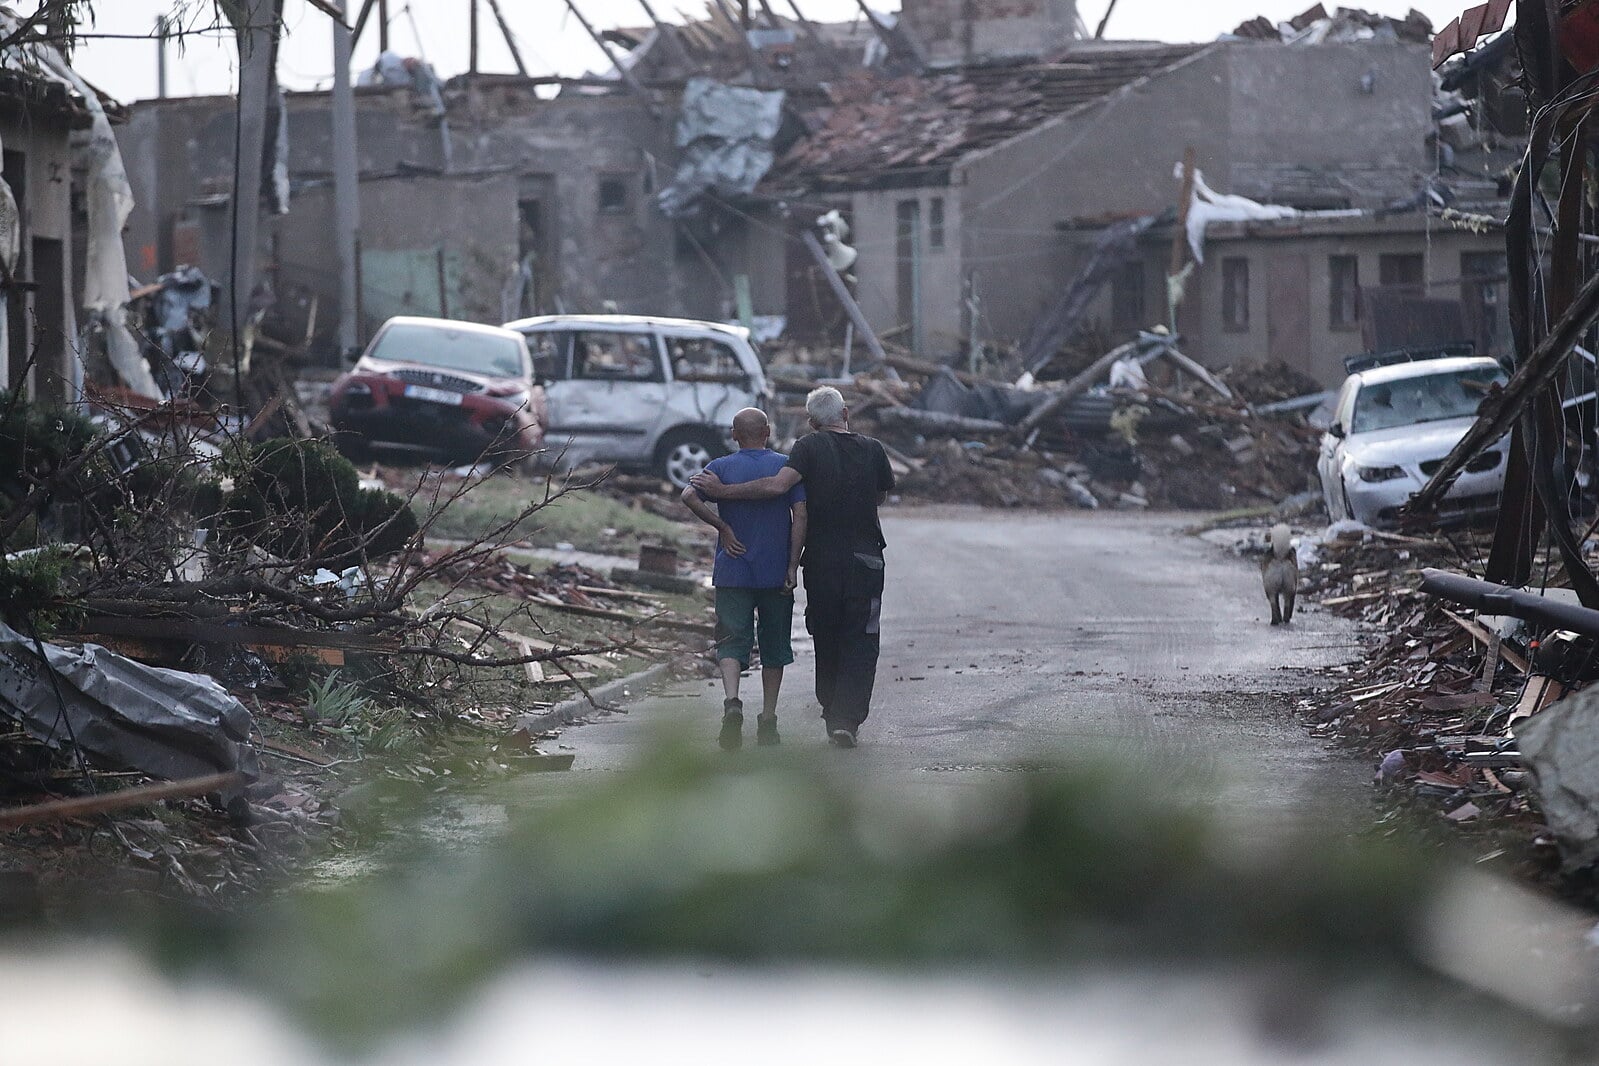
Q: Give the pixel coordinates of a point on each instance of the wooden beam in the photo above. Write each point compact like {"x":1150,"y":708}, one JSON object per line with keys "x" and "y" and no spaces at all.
{"x":510,"y":38}
{"x":622,"y":71}
{"x":360,"y":22}
{"x":123,"y":799}
{"x":330,"y":8}
{"x":845,"y":297}
{"x":1110,"y":9}
{"x":669,"y":33}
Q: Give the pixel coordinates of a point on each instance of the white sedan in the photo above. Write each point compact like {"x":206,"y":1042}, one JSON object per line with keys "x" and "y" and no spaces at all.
{"x":1392,"y":428}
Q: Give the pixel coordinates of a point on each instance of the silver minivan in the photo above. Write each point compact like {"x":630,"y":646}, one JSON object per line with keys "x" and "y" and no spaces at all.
{"x":645,"y":393}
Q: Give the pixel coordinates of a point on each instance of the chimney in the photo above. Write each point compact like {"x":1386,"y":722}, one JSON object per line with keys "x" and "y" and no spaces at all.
{"x":969,"y":31}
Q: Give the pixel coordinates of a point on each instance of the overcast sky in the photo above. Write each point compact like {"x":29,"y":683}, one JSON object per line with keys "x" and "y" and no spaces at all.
{"x":551,"y":41}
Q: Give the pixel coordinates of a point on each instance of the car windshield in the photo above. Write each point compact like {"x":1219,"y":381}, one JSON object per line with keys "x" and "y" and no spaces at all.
{"x":1432,"y":398}
{"x":450,"y":349}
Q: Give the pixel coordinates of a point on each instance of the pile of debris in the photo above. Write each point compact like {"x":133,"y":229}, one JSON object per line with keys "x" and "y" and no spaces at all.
{"x":176,"y":598}
{"x":1345,"y":24}
{"x":1460,"y":709}
{"x":1140,"y":426}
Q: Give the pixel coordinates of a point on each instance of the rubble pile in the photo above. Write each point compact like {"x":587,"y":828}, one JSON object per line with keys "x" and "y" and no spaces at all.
{"x":1161,"y":437}
{"x":1438,"y":699}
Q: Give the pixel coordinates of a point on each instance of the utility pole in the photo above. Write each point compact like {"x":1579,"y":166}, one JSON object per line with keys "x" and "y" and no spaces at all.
{"x":161,"y":56}
{"x":383,"y":25}
{"x":346,"y":190}
{"x":257,"y":54}
{"x":471,"y":62}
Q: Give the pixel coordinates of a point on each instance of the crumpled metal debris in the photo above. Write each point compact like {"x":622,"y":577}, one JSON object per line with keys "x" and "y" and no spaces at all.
{"x":725,"y":133}
{"x":122,"y":713}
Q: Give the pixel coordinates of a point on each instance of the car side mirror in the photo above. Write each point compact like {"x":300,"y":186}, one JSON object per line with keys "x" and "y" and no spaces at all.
{"x":1337,"y":430}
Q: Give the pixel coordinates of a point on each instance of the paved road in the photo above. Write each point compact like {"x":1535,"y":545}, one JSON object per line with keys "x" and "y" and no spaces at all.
{"x":1017,"y":640}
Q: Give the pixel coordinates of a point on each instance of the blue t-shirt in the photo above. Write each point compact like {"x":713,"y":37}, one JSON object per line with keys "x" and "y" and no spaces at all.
{"x":762,"y":526}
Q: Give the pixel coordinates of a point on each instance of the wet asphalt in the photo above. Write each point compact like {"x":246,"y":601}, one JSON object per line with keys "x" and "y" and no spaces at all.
{"x":1013,"y":643}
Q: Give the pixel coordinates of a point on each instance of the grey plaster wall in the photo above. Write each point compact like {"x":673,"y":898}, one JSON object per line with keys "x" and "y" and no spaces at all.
{"x":1114,"y":160}
{"x":877,"y":271}
{"x":953,"y":30}
{"x":1328,"y":346}
{"x":556,"y":151}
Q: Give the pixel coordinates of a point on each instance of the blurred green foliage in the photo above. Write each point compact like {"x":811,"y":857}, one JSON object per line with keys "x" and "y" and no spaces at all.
{"x":771,"y":860}
{"x":303,"y":500}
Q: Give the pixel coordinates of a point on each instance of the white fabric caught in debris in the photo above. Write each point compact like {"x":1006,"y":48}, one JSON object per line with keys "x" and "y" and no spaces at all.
{"x":10,"y":229}
{"x":105,"y":279}
{"x":1208,"y":206}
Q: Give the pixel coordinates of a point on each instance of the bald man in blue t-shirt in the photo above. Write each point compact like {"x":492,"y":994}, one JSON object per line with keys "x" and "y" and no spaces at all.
{"x":757,"y":568}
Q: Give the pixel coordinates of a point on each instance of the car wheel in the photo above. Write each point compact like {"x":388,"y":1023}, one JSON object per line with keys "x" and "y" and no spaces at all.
{"x":682,"y":455}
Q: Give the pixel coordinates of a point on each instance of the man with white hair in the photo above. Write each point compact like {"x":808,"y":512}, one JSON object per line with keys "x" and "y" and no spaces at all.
{"x":846,"y":477}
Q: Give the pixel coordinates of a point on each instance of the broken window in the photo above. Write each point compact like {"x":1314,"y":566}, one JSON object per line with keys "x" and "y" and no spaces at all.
{"x":1127,"y":296}
{"x":1407,"y":271}
{"x":616,"y":357}
{"x":1343,"y":292}
{"x":705,"y":360}
{"x":1430,"y":398}
{"x":613,"y":196}
{"x":1235,"y":294}
{"x":550,"y":352}
{"x":935,"y":224}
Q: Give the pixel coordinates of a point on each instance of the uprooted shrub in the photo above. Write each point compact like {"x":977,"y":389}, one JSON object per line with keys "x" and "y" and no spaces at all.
{"x":300,"y":500}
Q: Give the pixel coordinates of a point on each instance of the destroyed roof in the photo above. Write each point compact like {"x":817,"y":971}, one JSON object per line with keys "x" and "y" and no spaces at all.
{"x":879,"y":132}
{"x":1316,"y":26}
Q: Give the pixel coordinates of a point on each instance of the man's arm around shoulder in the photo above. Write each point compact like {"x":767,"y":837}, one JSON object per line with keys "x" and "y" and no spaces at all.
{"x":766,"y":488}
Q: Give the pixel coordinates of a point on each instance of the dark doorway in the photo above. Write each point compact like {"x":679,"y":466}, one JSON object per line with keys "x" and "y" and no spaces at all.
{"x":536,"y":247}
{"x":52,"y":375}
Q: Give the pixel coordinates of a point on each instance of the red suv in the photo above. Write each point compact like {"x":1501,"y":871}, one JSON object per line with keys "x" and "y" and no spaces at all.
{"x":456,"y":391}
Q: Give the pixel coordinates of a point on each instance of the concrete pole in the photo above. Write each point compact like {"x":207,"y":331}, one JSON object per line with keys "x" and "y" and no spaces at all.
{"x":256,"y":54}
{"x":161,"y":56}
{"x":346,"y":188}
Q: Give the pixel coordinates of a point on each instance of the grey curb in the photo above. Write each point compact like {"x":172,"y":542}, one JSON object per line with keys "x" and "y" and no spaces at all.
{"x":569,"y":711}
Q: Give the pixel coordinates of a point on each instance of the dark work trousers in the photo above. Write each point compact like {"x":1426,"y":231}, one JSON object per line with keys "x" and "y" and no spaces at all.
{"x":846,"y":629}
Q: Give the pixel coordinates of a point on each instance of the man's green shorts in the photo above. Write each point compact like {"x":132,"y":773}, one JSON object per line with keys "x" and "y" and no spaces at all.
{"x":745,"y":617}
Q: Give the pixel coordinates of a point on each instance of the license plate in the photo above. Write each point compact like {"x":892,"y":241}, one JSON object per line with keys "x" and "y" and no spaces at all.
{"x":422,"y":392}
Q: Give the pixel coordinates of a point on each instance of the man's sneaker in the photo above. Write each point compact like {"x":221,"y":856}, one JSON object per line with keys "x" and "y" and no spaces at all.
{"x":766,"y":730}
{"x":732,"y":735}
{"x":841,"y":736}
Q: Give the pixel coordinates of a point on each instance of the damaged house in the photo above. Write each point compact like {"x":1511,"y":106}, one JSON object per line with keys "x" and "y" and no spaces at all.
{"x":981,"y":154}
{"x":978,"y":195}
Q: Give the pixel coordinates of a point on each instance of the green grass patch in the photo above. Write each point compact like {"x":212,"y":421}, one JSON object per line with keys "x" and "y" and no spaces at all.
{"x":586,"y":520}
